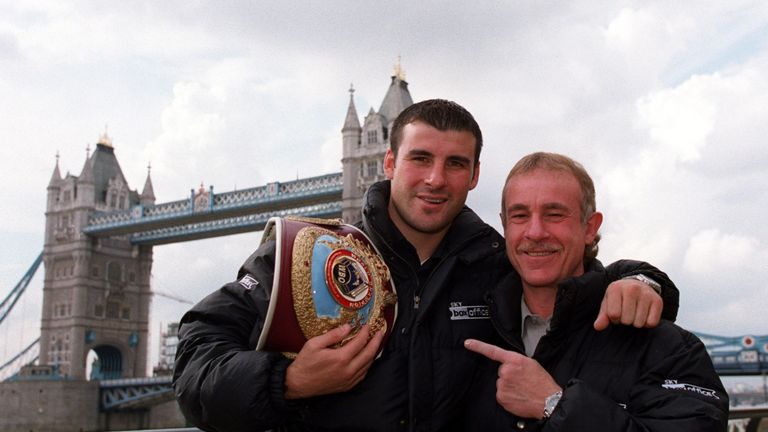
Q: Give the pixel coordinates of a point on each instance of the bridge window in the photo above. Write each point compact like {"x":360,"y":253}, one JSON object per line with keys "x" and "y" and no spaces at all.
{"x":126,"y":314}
{"x":132,"y":277}
{"x":98,"y":310}
{"x":373,"y":136}
{"x":114,"y":272}
{"x":95,"y":271}
{"x":386,"y":133}
{"x":371,"y":168}
{"x":113,"y":309}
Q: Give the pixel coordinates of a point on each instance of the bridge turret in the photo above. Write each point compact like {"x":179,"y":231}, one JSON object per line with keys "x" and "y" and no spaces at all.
{"x":365,"y":147}
{"x":398,"y":97}
{"x":351,"y":140}
{"x":96,"y":292}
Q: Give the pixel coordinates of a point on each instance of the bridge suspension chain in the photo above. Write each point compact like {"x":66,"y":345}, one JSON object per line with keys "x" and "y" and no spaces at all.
{"x":21,"y":359}
{"x":10,"y":300}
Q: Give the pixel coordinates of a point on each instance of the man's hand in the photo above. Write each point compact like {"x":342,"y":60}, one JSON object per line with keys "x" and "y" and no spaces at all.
{"x":320,"y":369}
{"x":629,"y":302}
{"x":523,"y":384}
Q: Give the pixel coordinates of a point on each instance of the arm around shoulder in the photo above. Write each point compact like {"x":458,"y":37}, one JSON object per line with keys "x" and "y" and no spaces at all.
{"x":669,"y":292}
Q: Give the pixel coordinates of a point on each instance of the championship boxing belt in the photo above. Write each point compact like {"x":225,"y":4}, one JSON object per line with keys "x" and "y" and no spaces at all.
{"x":326,"y":274}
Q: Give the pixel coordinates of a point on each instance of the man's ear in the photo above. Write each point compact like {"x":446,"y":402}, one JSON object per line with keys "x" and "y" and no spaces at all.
{"x":593,"y":226}
{"x":475,"y":176}
{"x":389,"y":164}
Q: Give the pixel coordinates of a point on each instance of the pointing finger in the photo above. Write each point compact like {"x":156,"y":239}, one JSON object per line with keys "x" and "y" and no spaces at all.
{"x":490,"y":351}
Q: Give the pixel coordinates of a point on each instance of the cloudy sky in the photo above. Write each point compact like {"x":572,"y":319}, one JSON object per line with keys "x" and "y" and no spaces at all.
{"x":663,"y":101}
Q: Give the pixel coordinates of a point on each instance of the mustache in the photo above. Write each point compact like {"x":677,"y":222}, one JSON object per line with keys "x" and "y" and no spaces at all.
{"x":538,"y":247}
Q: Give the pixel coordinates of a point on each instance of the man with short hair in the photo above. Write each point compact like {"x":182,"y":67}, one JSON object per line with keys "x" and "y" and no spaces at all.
{"x":441,"y":256}
{"x":556,"y":372}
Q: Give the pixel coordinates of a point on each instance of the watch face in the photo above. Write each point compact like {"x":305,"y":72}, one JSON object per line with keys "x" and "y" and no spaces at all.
{"x":551,"y":403}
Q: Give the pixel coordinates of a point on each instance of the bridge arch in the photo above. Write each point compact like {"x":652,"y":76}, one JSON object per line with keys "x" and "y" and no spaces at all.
{"x":105,"y":362}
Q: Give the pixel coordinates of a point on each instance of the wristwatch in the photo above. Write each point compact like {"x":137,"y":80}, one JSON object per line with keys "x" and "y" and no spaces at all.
{"x":646,"y":280}
{"x":550,"y":403}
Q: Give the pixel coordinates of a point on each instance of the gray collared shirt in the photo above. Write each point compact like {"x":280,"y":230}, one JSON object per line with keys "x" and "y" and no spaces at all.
{"x":534,"y":327}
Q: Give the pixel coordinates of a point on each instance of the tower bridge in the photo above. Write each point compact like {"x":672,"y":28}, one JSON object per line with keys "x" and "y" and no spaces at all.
{"x":97,"y":260}
{"x":97,"y":256}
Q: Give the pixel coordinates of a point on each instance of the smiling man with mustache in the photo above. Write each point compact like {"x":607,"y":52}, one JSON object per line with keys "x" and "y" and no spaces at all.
{"x":551,"y":370}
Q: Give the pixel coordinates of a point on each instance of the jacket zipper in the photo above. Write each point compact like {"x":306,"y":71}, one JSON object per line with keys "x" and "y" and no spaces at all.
{"x":416,"y":300}
{"x":419,"y":288}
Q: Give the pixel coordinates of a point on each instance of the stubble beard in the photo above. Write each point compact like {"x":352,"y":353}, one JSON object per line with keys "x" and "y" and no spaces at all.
{"x":411,"y":221}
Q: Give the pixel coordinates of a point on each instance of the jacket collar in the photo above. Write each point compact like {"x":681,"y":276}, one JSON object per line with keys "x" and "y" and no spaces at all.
{"x":576,"y":305}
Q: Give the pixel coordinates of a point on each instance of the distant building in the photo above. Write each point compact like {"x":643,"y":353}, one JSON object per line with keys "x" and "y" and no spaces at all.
{"x":169,"y":341}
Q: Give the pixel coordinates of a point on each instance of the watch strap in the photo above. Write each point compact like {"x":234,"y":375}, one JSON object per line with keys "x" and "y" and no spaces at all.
{"x":646,"y":280}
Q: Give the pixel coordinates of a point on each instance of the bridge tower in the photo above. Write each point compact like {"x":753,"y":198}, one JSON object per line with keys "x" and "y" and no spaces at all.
{"x":364,"y":147}
{"x":96,"y":293}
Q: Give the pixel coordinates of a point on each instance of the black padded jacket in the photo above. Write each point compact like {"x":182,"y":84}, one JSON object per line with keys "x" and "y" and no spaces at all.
{"x":619,"y":379}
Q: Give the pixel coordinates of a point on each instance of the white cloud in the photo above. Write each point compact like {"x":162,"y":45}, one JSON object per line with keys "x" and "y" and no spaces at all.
{"x":651,"y":33}
{"x":711,"y":252}
{"x":679,"y":120}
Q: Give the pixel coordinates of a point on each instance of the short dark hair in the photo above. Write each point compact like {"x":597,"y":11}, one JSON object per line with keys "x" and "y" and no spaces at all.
{"x":441,"y":114}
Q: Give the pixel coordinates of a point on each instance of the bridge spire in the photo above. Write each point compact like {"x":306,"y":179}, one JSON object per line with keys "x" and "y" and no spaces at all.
{"x":104,"y":139}
{"x":148,"y":193}
{"x":398,"y":97}
{"x":399,"y":71}
{"x":56,"y":176}
{"x":351,"y":122}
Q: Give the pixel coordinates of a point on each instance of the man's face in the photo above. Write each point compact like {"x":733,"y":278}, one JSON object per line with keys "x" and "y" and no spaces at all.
{"x":431,"y":176}
{"x":543,"y":230}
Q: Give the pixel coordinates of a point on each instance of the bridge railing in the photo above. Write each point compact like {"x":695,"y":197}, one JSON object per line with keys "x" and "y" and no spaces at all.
{"x":746,"y":418}
{"x":230,"y":225}
{"x":128,"y":393}
{"x":737,"y":355}
{"x":269,"y":196}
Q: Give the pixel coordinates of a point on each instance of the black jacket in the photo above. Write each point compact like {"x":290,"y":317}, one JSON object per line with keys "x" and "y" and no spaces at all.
{"x":222,"y":384}
{"x":420,"y":380}
{"x":619,"y":379}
